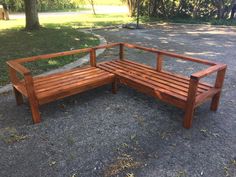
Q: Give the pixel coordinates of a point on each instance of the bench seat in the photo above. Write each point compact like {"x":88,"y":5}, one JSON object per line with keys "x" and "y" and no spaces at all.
{"x":168,"y":87}
{"x":60,"y":85}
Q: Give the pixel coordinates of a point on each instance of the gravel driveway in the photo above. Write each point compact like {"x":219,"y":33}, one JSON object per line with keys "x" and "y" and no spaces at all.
{"x":129,"y":134}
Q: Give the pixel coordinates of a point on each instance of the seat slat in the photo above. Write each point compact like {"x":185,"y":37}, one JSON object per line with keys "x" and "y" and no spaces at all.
{"x":51,"y":77}
{"x":155,"y":84}
{"x":137,"y":80}
{"x":63,"y":79}
{"x":164,"y":76}
{"x":181,"y":78}
{"x":74,"y":88}
{"x":68,"y":82}
{"x":157,"y":78}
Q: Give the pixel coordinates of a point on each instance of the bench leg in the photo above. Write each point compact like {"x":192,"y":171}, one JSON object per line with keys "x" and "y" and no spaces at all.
{"x":190,"y":104}
{"x":215,"y":102}
{"x":218,"y":84}
{"x":114,"y":86}
{"x":18,"y":96}
{"x":35,"y":111}
{"x":188,"y":117}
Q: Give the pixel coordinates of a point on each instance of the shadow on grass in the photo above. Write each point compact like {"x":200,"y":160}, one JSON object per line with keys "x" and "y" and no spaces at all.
{"x":18,"y":43}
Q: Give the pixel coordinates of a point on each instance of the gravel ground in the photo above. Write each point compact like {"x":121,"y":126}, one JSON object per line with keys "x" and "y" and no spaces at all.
{"x":97,"y":133}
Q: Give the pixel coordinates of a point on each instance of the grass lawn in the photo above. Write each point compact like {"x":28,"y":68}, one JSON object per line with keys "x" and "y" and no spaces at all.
{"x":58,"y":34}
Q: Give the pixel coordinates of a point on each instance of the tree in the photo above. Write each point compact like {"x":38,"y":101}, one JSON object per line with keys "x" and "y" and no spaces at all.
{"x":233,"y":10}
{"x":31,"y":13}
{"x":92,"y":4}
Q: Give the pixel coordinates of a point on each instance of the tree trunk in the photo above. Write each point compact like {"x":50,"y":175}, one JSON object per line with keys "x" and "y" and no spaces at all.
{"x":92,"y":4}
{"x":132,"y":6}
{"x":221,"y":8}
{"x":31,"y":13}
{"x":195,"y":9}
{"x":233,"y":9}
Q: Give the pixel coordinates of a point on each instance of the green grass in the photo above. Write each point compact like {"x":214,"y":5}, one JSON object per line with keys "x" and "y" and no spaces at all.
{"x":55,"y":36}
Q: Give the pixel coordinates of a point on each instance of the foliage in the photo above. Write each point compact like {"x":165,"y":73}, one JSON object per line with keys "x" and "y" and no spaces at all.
{"x":52,"y":5}
{"x":183,"y":8}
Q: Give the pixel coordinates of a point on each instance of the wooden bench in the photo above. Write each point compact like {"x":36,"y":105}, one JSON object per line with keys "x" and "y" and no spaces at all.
{"x":184,"y":92}
{"x":44,"y":89}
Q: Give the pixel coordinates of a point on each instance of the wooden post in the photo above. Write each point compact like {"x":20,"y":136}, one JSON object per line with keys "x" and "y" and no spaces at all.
{"x":218,"y":84}
{"x":114,"y":86}
{"x":159,"y":62}
{"x":121,"y":51}
{"x":14,"y":79}
{"x":34,"y":105}
{"x":190,"y":105}
{"x":93,"y":57}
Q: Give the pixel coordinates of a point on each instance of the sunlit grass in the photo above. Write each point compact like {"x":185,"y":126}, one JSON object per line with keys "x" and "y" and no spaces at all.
{"x":75,"y":21}
{"x":59,"y":33}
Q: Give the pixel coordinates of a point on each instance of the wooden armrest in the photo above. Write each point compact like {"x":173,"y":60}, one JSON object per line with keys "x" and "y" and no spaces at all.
{"x":53,"y":55}
{"x":170,"y":54}
{"x":208,"y":71}
{"x":19,"y":68}
{"x":107,"y":45}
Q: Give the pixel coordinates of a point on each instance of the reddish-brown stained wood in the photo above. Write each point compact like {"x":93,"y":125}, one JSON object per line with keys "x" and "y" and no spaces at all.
{"x":114,"y":86}
{"x":34,"y":105}
{"x":174,"y":55}
{"x":53,"y":55}
{"x":183,"y":92}
{"x":208,"y":71}
{"x":15,"y":80}
{"x":18,"y":96}
{"x":93,"y":57}
{"x":121,"y":51}
{"x":156,"y":84}
{"x":218,"y":84}
{"x":190,"y":105}
{"x":46,"y":98}
{"x":177,"y":77}
{"x":110,"y":45}
{"x":154,"y":77}
{"x":159,"y":62}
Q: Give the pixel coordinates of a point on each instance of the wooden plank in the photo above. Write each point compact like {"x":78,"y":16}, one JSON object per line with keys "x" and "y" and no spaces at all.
{"x":53,"y":55}
{"x":218,"y":84}
{"x":165,"y":97}
{"x":65,"y":93}
{"x":34,"y":105}
{"x":159,"y":62}
{"x":110,"y":45}
{"x":68,"y":84}
{"x":165,"y":77}
{"x":156,"y":83}
{"x":209,"y":71}
{"x":180,"y":78}
{"x":21,"y":88}
{"x":174,"y":55}
{"x":141,"y":82}
{"x":64,"y":74}
{"x":93,"y":57}
{"x":19,"y":68}
{"x":205,"y":96}
{"x":57,"y":81}
{"x":156,"y":77}
{"x":121,"y":53}
{"x":190,"y":106}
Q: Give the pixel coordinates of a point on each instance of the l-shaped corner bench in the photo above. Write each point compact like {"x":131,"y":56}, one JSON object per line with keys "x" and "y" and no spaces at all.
{"x":183,"y":92}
